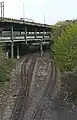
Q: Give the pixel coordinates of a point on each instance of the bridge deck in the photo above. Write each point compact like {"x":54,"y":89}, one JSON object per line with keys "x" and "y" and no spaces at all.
{"x":19,"y":25}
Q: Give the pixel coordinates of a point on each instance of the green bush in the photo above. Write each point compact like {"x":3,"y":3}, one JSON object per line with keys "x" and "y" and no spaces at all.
{"x":65,"y":48}
{"x":6,"y":66}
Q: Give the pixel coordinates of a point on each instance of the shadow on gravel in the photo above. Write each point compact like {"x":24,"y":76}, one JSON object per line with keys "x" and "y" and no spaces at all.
{"x":68,"y":115}
{"x":62,"y":113}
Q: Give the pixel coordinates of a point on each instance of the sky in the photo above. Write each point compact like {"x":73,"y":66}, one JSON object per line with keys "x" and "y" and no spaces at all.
{"x":48,"y":11}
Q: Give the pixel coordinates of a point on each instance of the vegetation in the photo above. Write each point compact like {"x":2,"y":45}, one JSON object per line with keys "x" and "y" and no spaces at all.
{"x":5,"y":67}
{"x":65,"y":55}
{"x":65,"y":48}
{"x":59,"y":27}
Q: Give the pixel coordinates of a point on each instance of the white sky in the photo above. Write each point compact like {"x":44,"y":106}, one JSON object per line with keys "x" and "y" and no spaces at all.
{"x":55,"y":10}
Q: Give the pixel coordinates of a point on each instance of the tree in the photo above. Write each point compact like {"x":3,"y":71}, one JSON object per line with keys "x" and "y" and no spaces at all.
{"x":59,"y":27}
{"x":65,"y":48}
{"x":65,"y":55}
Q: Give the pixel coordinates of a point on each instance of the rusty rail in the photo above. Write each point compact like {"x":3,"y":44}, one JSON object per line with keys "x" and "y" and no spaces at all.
{"x":49,"y":87}
{"x":20,"y":105}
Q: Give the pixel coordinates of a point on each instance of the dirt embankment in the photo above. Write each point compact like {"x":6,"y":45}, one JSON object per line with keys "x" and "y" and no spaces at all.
{"x":7,"y":92}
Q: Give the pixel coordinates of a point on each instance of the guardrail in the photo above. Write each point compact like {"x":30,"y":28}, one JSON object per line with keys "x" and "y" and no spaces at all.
{"x":22,"y":39}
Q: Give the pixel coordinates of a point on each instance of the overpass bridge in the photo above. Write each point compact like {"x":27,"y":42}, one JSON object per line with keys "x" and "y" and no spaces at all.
{"x":16,"y":32}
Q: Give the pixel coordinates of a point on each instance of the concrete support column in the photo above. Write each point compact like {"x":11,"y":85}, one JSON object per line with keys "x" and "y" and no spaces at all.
{"x":26,"y":35}
{"x":36,"y":34}
{"x":44,"y":35}
{"x":18,"y":55}
{"x":7,"y":54}
{"x":41,"y":48}
{"x":12,"y":49}
{"x":50,"y":35}
{"x":20,"y":32}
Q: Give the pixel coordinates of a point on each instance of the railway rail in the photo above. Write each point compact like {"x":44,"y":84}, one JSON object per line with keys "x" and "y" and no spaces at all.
{"x":48,"y":83}
{"x":38,"y":113}
{"x":26,"y":74}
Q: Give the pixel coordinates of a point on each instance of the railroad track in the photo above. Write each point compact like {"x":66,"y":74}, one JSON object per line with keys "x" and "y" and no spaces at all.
{"x":26,"y":75}
{"x":38,"y":113}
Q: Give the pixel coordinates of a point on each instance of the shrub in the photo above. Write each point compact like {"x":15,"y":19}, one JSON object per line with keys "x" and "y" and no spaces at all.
{"x":65,"y":49}
{"x":6,"y":66}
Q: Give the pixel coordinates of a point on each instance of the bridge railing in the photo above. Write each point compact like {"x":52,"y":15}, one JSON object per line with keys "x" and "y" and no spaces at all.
{"x":6,"y":34}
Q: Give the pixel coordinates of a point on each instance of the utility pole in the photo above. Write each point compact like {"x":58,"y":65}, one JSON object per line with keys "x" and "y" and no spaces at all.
{"x":2,"y":9}
{"x":44,"y":18}
{"x":23,"y":12}
{"x":44,"y":28}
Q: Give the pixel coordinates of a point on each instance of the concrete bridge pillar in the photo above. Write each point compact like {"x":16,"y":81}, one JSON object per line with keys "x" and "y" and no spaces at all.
{"x":36,"y":34}
{"x":12,"y":43}
{"x":18,"y":55}
{"x":50,"y":35}
{"x":26,"y":35}
{"x":44,"y":35}
{"x":12,"y":50}
{"x":7,"y":54}
{"x":20,"y":32}
{"x":41,"y":48}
